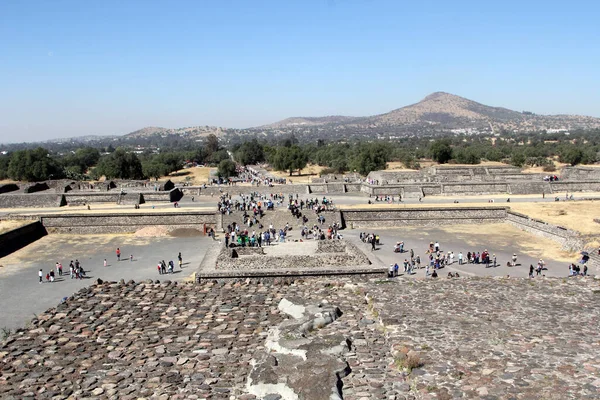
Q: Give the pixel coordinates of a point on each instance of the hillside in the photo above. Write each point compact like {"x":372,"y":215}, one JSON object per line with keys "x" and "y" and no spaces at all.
{"x":440,"y":112}
{"x":189,"y":132}
{"x":310,"y":121}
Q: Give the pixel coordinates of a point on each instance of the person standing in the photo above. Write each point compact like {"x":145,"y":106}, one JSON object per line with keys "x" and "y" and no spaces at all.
{"x":130,"y":257}
{"x":180,"y":259}
{"x":460,"y":258}
{"x":118,"y":254}
{"x":41,"y":275}
{"x":105,"y":263}
{"x":60,"y":271}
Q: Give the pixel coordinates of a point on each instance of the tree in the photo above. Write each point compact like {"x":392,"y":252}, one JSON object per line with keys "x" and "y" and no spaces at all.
{"x":571,"y":155}
{"x":211,"y":144}
{"x":518,"y":159}
{"x":290,"y":159}
{"x":227,"y":169}
{"x":120,"y":165}
{"x":250,"y":152}
{"x":441,"y":151}
{"x":467,"y":156}
{"x":371,"y":157}
{"x":33,"y":165}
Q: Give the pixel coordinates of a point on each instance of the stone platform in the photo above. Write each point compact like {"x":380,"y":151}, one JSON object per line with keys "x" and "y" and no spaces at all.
{"x":476,"y":338}
{"x":289,"y":259}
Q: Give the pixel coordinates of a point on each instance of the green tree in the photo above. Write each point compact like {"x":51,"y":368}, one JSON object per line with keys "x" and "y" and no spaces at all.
{"x":441,"y":151}
{"x":289,"y":159}
{"x":33,"y":165}
{"x":571,"y":155}
{"x":371,"y":157}
{"x":227,"y":169}
{"x":120,"y":165}
{"x":251,"y":152}
{"x":518,"y":159}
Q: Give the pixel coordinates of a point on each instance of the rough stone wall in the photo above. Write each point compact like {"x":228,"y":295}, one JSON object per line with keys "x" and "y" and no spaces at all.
{"x":9,"y":187}
{"x":529,"y":187}
{"x":18,"y":238}
{"x":580,"y":173}
{"x":90,"y":198}
{"x":562,"y":186}
{"x":328,"y":255}
{"x":124,"y":223}
{"x":358,"y":218}
{"x":30,"y":200}
{"x":474,"y":188}
{"x":353,"y":187}
{"x":36,"y":187}
{"x":568,"y":239}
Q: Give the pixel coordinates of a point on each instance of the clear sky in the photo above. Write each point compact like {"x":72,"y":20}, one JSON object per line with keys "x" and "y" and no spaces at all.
{"x":72,"y":68}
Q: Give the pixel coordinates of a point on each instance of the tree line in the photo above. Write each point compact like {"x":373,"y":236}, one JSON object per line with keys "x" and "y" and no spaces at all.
{"x":287,"y":154}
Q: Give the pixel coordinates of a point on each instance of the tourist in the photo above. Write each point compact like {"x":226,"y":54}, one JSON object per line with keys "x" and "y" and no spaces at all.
{"x":494,"y":260}
{"x":41,"y":275}
{"x":159,"y":267}
{"x":60,"y":269}
{"x":585,"y":269}
{"x":131,"y":257}
{"x":460,"y":258}
{"x":51,"y":275}
{"x":426,"y":270}
{"x":105,"y":263}
{"x":436,"y":246}
{"x":180,"y":260}
{"x":56,"y":266}
{"x":451,"y":257}
{"x":434,"y":274}
{"x":118,"y":254}
{"x":72,"y":269}
{"x":531,"y":270}
{"x":47,"y":276}
{"x":391,"y":271}
{"x":514,"y":260}
{"x":418,"y":261}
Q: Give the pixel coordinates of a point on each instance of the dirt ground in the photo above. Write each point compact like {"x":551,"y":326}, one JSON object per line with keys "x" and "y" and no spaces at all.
{"x":306,"y":174}
{"x":574,"y":215}
{"x":197,"y":175}
{"x":6,"y":226}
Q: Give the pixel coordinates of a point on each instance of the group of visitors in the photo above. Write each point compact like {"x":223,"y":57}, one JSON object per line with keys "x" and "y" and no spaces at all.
{"x":76,"y":271}
{"x":234,"y":236}
{"x":575,"y":270}
{"x":169,"y":268}
{"x":370,"y":238}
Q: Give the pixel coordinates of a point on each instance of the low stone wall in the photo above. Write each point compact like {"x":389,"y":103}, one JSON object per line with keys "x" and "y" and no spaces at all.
{"x":36,"y":187}
{"x":329,"y":254}
{"x":30,"y":200}
{"x":562,"y":186}
{"x":474,"y":188}
{"x":569,"y":239}
{"x":353,"y":187}
{"x":359,"y":218}
{"x":18,"y":238}
{"x":9,"y":187}
{"x":125,"y":223}
{"x":529,"y":187}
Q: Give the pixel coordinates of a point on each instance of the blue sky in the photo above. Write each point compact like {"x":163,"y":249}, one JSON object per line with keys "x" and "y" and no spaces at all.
{"x":71,"y":68}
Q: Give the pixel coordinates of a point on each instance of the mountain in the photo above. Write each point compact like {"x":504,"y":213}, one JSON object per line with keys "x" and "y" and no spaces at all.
{"x":310,"y":121}
{"x":441,"y":112}
{"x":189,"y":132}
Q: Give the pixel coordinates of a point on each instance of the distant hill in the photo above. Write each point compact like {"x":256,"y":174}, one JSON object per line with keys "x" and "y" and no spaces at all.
{"x":440,"y":112}
{"x":189,"y":132}
{"x":311,"y":121}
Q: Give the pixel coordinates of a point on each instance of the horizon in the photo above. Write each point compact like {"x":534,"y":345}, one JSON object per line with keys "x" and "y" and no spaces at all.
{"x":74,"y":69}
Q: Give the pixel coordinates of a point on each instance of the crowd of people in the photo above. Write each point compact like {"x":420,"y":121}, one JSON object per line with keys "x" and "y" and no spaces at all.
{"x":76,"y":271}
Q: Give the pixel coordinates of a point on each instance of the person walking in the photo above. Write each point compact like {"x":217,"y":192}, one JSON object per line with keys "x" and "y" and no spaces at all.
{"x":105,"y":263}
{"x":118,"y":254}
{"x":41,"y":275}
{"x":460,"y":258}
{"x":130,"y":257}
{"x":180,"y":259}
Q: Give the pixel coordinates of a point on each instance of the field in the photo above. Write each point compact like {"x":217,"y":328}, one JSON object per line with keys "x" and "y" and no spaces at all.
{"x":306,"y":174}
{"x":196,"y":176}
{"x":574,"y":215}
{"x":6,"y":226}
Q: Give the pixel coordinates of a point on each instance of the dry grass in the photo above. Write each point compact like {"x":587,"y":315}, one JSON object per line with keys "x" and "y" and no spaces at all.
{"x":306,"y":174}
{"x":8,"y":225}
{"x":578,"y":216}
{"x":195,"y":175}
{"x":574,"y":215}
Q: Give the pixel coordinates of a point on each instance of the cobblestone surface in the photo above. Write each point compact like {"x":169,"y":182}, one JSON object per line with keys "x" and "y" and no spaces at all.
{"x":353,"y":338}
{"x":496,"y":338}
